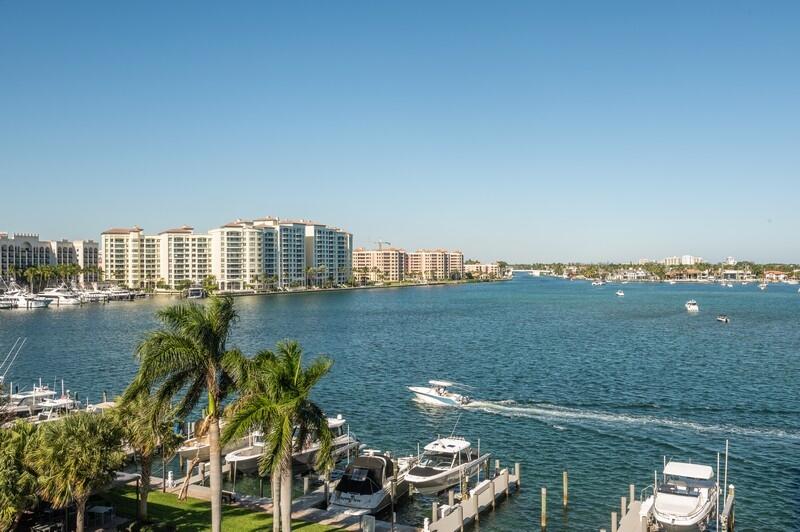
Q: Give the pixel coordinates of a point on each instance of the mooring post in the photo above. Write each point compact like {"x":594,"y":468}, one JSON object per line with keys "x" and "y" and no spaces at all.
{"x":476,"y":508}
{"x":613,"y":521}
{"x":435,"y":512}
{"x":505,"y":476}
{"x":496,"y":467}
{"x":623,"y":505}
{"x":543,"y":520}
{"x":202,"y":473}
{"x":260,"y":487}
{"x":565,"y":481}
{"x":486,"y":469}
{"x":494,"y":495}
{"x":516,"y":474}
{"x":460,"y":510}
{"x":644,"y":524}
{"x":451,"y":497}
{"x":306,"y":484}
{"x":632,"y":493}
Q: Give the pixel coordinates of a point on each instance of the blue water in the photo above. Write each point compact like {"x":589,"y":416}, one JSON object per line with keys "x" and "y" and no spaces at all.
{"x":568,"y":376}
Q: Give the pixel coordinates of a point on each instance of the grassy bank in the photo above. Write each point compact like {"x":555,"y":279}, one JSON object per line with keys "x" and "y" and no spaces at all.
{"x":195,"y":515}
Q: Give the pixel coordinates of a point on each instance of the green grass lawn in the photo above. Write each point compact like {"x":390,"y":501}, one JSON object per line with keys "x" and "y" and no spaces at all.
{"x":195,"y":515}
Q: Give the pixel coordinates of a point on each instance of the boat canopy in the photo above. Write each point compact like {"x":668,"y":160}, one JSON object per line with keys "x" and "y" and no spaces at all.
{"x":441,"y":383}
{"x":447,"y":445}
{"x":681,"y":469}
{"x":335,"y":422}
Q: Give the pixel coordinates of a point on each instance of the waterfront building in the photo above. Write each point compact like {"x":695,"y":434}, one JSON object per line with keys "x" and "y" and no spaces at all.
{"x":436,"y":264}
{"x":287,"y":254}
{"x":129,"y":257}
{"x":684,"y":260}
{"x":237,"y":255}
{"x":19,"y":251}
{"x":489,"y":270}
{"x":184,"y":257}
{"x":386,"y":264}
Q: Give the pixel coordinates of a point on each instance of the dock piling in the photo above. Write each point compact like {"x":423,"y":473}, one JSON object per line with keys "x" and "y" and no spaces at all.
{"x":632,"y":493}
{"x":306,"y":484}
{"x":565,"y":482}
{"x":496,"y":467}
{"x":516,"y":473}
{"x":623,"y":504}
{"x":543,"y":516}
{"x":613,"y":521}
{"x":508,"y":488}
{"x":451,"y":497}
{"x":435,"y":512}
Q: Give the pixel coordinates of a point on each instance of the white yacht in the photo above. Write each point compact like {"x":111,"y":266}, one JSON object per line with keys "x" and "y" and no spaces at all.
{"x":23,"y":299}
{"x":366,"y":485}
{"x":723,"y":318}
{"x":686,"y":498}
{"x":53,"y":409}
{"x":762,"y":286}
{"x":344,"y":442}
{"x":597,"y":283}
{"x":6,"y":303}
{"x":195,"y":292}
{"x":246,"y":459}
{"x":198,"y":447}
{"x":28,"y":402}
{"x":443,"y":464}
{"x":437,"y":394}
{"x":62,"y":295}
{"x":620,"y":293}
{"x":692,"y":306}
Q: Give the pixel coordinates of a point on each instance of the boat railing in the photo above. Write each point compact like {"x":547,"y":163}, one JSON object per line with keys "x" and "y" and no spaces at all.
{"x":645,"y":492}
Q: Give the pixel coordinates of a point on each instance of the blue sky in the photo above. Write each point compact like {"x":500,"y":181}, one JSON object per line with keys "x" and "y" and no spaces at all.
{"x":515,"y":130}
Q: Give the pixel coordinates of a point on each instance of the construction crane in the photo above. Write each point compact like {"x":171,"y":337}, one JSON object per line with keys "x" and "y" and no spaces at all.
{"x":381,"y":243}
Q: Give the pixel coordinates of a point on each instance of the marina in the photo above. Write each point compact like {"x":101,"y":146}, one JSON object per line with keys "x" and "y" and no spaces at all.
{"x":606,"y":426}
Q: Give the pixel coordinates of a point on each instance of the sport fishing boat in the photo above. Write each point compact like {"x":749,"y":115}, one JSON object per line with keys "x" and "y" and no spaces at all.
{"x":198,"y":447}
{"x":723,"y":318}
{"x":344,"y":442}
{"x":246,"y":459}
{"x":444,"y":462}
{"x":27,"y":403}
{"x":686,"y":498}
{"x":620,"y":293}
{"x":62,"y":295}
{"x":437,"y":394}
{"x":366,"y":485}
{"x":692,"y":306}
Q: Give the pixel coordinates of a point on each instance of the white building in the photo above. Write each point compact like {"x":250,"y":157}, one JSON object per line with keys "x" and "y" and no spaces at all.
{"x":490,"y":270}
{"x":184,"y":257}
{"x":237,"y":255}
{"x":131,"y":258}
{"x":21,"y":251}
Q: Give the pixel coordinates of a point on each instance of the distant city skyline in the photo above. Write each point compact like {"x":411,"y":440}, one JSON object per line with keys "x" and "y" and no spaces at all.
{"x":525,"y":132}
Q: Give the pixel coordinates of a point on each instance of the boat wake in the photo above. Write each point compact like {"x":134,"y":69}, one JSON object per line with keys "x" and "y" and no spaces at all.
{"x":552,"y":413}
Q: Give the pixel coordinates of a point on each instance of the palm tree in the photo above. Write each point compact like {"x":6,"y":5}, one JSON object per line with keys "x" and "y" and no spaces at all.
{"x":18,"y":488}
{"x":147,"y":429}
{"x":275,"y":398}
{"x":184,"y":359}
{"x":74,"y":457}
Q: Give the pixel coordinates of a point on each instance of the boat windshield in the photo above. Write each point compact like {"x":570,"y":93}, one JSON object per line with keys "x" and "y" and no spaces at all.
{"x":436,"y":460}
{"x":684,"y":486}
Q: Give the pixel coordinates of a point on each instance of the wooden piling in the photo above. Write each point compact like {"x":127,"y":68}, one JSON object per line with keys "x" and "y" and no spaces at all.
{"x":451,"y":497}
{"x":565,"y":482}
{"x":306,"y":484}
{"x":516,"y":473}
{"x":435,"y":512}
{"x":631,"y":493}
{"x":508,"y":488}
{"x":496,"y":467}
{"x":623,"y":505}
{"x":476,"y":508}
{"x":494,"y":502}
{"x":644,"y":524}
{"x":613,"y":521}
{"x":543,"y":516}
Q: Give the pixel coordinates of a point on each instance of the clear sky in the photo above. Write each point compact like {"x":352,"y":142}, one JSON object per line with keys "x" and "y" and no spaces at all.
{"x":511,"y":130}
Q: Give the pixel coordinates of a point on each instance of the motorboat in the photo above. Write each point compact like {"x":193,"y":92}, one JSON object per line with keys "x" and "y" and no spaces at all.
{"x":53,"y":409}
{"x":597,"y":283}
{"x":686,"y":498}
{"x":723,"y":318}
{"x":762,"y":286}
{"x":344,"y":443}
{"x":27,"y":402}
{"x":620,"y":293}
{"x":247,"y":458}
{"x":437,"y":394}
{"x":443,"y":463}
{"x":671,"y":282}
{"x":195,"y":292}
{"x":6,"y":303}
{"x":692,"y":306}
{"x":370,"y":483}
{"x":198,"y":447}
{"x":62,"y":295}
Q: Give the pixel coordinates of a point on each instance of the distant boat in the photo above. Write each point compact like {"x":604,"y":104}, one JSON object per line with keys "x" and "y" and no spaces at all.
{"x":671,"y":282}
{"x":597,"y":283}
{"x":723,"y":318}
{"x":620,"y":293}
{"x":762,"y":286}
{"x":437,"y":394}
{"x":692,"y":306}
{"x":729,"y":285}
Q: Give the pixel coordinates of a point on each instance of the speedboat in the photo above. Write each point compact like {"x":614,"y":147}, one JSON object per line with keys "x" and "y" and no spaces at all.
{"x":366,"y":485}
{"x":438,"y":395}
{"x":344,"y":442}
{"x":6,"y":303}
{"x":692,"y":306}
{"x":723,"y":318}
{"x":671,"y":282}
{"x":597,"y":283}
{"x":620,"y":293}
{"x":762,"y":286}
{"x":247,"y":458}
{"x":27,"y":402}
{"x":198,"y":447}
{"x":443,"y":464}
{"x":62,"y":295}
{"x":53,"y":409}
{"x":686,"y":499}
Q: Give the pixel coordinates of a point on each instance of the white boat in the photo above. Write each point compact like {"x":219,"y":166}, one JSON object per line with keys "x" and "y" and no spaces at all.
{"x":366,"y":485}
{"x":438,"y":395}
{"x":27,"y":402}
{"x":762,"y":286}
{"x":198,"y":447}
{"x":686,"y":499}
{"x":53,"y":409}
{"x":195,"y":292}
{"x":344,"y":442}
{"x":62,"y":295}
{"x":723,"y":318}
{"x":443,"y":464}
{"x":620,"y":293}
{"x":671,"y":282}
{"x":597,"y":283}
{"x":692,"y":306}
{"x":247,"y":458}
{"x":729,"y":285}
{"x":7,"y":303}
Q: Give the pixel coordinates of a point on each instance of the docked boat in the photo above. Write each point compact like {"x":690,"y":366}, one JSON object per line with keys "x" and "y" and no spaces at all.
{"x":444,"y":463}
{"x":366,"y":485}
{"x":247,"y":458}
{"x":437,"y":394}
{"x":723,"y":318}
{"x":692,"y":306}
{"x":344,"y":443}
{"x":620,"y":293}
{"x":686,"y":498}
{"x":671,"y":282}
{"x":198,"y":447}
{"x":62,"y":295}
{"x":7,"y":303}
{"x":53,"y":409}
{"x":195,"y":292}
{"x":29,"y":402}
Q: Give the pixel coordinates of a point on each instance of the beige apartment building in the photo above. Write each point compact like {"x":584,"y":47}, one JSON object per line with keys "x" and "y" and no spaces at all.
{"x":24,"y":250}
{"x":491,"y":270}
{"x":388,"y":264}
{"x":183,"y":256}
{"x":435,"y":264}
{"x":130,"y":257}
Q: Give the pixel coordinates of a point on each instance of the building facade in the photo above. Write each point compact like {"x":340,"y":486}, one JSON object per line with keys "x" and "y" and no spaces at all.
{"x":21,"y":251}
{"x":490,"y":270}
{"x":375,"y":265}
{"x":184,"y":257}
{"x":436,"y":264}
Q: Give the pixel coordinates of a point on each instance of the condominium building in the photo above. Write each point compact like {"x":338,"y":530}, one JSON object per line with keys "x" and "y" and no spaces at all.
{"x":491,"y":270}
{"x":184,"y":257}
{"x":237,"y":255}
{"x":288,"y":252}
{"x":21,"y":251}
{"x":436,"y":264}
{"x":683,"y":260}
{"x":129,"y":257}
{"x":328,"y":253}
{"x":387,"y":264}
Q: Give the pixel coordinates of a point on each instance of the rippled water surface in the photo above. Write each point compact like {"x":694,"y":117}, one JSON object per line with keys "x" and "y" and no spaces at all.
{"x":566,"y":376}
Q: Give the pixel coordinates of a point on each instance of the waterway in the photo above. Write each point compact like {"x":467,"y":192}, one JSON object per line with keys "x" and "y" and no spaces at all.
{"x":566,"y":376}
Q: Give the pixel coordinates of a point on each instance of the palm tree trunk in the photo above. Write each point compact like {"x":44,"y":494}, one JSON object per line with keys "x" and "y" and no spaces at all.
{"x":216,"y":475}
{"x":286,"y":491}
{"x":275,"y":480}
{"x":80,"y":510}
{"x":144,"y":486}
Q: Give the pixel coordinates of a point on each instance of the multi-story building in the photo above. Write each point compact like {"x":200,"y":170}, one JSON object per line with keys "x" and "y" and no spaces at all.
{"x":491,"y":270}
{"x":288,"y":252}
{"x":436,"y":264}
{"x":21,"y":251}
{"x":184,"y":257}
{"x":237,"y":255}
{"x":328,"y":252}
{"x":87,"y":254}
{"x":386,"y":264}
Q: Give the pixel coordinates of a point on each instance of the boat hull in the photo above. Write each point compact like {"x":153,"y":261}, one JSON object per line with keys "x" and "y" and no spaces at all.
{"x":430,"y":485}
{"x":424,"y":395}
